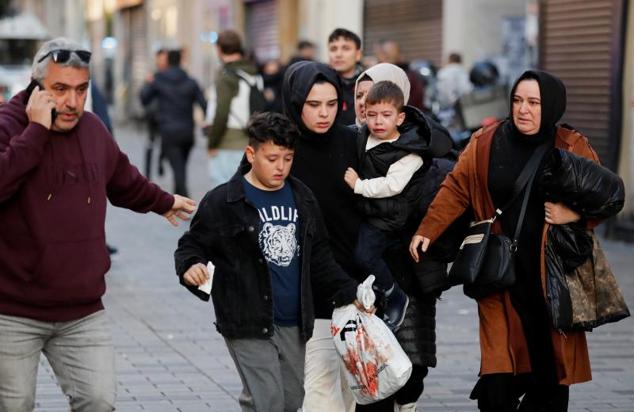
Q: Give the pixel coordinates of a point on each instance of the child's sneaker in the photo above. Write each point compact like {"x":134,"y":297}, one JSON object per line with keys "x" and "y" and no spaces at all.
{"x":396,"y":302}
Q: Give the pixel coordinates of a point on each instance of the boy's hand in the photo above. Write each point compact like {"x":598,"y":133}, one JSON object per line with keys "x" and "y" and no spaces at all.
{"x":351,"y":177}
{"x":196,"y":275}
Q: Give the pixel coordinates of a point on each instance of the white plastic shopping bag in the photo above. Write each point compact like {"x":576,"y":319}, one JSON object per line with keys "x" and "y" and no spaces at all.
{"x":375,"y":364}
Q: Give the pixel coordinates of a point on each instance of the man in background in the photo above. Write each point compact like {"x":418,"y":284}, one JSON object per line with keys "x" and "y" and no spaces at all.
{"x":453,"y":81}
{"x":152,"y":115}
{"x":306,"y":50}
{"x":389,"y":51}
{"x":344,"y":55}
{"x":176,"y":94}
{"x":229,"y":109}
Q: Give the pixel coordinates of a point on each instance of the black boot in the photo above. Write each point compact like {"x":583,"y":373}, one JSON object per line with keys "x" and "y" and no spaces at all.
{"x":396,"y":302}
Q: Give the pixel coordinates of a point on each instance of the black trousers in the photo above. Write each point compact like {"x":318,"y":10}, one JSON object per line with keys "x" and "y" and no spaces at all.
{"x":371,"y":244}
{"x":154,"y":137}
{"x":501,"y":392}
{"x":177,"y":155}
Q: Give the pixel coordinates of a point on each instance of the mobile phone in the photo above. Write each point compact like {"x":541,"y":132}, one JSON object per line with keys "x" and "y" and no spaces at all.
{"x":29,"y":91}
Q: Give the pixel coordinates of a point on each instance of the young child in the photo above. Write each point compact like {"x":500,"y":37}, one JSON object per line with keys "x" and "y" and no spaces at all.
{"x":263,"y":232}
{"x":389,"y":181}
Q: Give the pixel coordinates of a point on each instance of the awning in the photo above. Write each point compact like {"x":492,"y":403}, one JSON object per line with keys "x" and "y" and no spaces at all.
{"x":22,"y":26}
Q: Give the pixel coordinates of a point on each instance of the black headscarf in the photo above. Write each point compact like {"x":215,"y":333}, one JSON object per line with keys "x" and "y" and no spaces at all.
{"x":298,"y":80}
{"x":553,"y":101}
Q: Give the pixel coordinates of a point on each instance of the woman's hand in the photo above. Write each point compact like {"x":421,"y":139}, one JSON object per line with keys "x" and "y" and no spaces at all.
{"x":418,"y":241}
{"x":559,"y":214}
{"x":371,"y":310}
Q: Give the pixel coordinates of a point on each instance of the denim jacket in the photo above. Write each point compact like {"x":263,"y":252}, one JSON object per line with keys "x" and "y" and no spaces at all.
{"x":224,"y":231}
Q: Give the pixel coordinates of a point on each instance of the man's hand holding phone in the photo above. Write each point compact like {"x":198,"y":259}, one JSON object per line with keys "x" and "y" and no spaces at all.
{"x":40,"y":107}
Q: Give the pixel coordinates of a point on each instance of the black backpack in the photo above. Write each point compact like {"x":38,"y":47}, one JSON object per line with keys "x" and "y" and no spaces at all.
{"x":257,"y":101}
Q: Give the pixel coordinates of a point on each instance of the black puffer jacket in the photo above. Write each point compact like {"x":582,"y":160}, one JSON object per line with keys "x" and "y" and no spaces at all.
{"x":176,"y":94}
{"x":585,"y":186}
{"x":436,"y":136}
{"x":390,"y":213}
{"x":417,"y":334}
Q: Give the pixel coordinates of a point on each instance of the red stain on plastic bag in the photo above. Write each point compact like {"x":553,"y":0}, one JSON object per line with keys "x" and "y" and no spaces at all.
{"x":362,"y":360}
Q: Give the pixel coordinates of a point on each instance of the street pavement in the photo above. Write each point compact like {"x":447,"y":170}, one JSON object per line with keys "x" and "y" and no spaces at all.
{"x":169,"y":356}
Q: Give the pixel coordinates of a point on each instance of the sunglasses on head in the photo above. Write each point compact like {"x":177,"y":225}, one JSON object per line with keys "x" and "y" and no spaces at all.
{"x":63,"y":55}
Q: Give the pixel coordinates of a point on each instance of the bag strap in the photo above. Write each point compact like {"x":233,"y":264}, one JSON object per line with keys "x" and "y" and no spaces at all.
{"x":235,"y":73}
{"x":524,"y":182}
{"x":241,"y":76}
{"x":524,"y":177}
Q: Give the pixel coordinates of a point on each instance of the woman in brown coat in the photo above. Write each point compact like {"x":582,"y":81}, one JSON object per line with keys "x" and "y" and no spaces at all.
{"x":521,"y":354}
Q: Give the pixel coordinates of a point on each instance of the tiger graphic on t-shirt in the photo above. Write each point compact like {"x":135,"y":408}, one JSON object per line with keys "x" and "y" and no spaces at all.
{"x":278,"y":243}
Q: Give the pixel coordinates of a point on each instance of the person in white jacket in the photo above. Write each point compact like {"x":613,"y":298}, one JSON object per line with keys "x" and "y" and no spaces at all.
{"x":453,"y":82}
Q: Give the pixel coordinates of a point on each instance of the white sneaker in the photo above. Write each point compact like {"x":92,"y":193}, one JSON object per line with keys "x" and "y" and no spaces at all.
{"x":408,"y":407}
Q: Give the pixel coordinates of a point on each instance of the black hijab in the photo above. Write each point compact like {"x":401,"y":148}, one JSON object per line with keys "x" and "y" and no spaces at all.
{"x":553,"y":101}
{"x":298,"y":81}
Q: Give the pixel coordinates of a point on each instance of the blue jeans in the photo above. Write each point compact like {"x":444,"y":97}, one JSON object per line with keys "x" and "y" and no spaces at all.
{"x":371,"y":244}
{"x":224,"y":165}
{"x":80,"y":353}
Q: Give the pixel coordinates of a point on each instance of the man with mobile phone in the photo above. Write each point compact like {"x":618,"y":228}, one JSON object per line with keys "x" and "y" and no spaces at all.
{"x":56,"y":175}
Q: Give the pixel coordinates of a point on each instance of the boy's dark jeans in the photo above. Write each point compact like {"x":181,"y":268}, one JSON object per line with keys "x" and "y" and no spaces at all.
{"x":371,"y":244}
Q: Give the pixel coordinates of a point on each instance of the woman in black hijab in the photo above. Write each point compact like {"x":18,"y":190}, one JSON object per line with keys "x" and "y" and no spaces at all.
{"x":521,"y":353}
{"x":311,"y":96}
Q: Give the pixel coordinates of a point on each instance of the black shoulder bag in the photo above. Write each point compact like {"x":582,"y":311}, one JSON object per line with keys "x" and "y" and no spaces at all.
{"x":484,"y":264}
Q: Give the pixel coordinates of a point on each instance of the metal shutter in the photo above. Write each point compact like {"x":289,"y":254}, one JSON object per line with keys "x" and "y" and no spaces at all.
{"x":415,"y":24}
{"x":580,"y":44}
{"x":262,"y":34}
{"x":135,"y":66}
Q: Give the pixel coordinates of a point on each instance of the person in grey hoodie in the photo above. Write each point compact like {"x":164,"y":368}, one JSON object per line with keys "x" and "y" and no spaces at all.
{"x":176,"y":93}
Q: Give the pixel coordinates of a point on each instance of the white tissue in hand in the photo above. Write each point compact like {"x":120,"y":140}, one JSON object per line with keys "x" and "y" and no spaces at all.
{"x":365,"y":294}
{"x":206,"y":287}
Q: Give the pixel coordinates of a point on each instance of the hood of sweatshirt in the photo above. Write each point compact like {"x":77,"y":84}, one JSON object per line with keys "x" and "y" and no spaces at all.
{"x":174,"y":75}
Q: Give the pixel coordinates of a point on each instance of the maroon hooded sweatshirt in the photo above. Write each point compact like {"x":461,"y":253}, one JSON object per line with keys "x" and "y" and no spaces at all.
{"x":53,"y":193}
